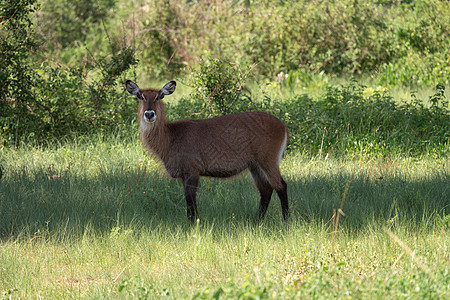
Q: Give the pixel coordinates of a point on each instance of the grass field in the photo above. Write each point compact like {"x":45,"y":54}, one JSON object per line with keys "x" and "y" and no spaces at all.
{"x":97,"y":218}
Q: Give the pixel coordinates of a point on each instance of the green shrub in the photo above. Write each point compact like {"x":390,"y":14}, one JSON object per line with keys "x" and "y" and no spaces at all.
{"x":16,"y":75}
{"x":421,"y":35}
{"x":354,"y":119}
{"x":44,"y":101}
{"x":75,"y":20}
{"x":340,"y":37}
{"x":219,"y":85}
{"x":395,"y":42}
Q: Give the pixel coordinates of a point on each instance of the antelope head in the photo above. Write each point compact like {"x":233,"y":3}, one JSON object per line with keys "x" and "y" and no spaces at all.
{"x":149,"y":99}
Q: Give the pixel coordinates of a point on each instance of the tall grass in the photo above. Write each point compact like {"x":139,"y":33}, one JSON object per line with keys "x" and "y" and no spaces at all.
{"x":98,"y":219}
{"x":105,"y":181}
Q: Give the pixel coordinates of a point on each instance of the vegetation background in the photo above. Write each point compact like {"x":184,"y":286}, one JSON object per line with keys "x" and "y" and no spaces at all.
{"x":64,"y":65}
{"x":362,"y":86}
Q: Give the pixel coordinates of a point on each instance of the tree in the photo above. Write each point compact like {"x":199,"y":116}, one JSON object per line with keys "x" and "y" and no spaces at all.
{"x":16,"y":42}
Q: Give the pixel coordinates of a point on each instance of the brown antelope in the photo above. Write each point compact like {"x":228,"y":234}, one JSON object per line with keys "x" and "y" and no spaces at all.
{"x":218,"y":147}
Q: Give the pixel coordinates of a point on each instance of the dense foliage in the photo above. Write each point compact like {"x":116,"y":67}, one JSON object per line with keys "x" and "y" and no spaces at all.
{"x":395,"y":41}
{"x":67,"y":79}
{"x":40,"y":99}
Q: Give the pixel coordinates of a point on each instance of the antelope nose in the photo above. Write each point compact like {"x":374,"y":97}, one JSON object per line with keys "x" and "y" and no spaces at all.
{"x":149,"y":115}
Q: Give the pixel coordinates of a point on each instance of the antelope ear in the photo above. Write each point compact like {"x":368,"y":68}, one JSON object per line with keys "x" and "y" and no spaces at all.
{"x":133,"y":89}
{"x":168,"y":89}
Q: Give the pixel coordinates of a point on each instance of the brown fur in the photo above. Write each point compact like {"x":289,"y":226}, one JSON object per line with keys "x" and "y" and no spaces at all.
{"x":219,"y":147}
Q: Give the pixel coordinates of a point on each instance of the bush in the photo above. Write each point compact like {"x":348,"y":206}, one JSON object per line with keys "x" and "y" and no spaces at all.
{"x":16,"y":75}
{"x":219,"y":85}
{"x":344,"y":37}
{"x":355,"y":119}
{"x":421,"y":35}
{"x":336,"y":37}
{"x":75,"y":20}
{"x":43,"y":101}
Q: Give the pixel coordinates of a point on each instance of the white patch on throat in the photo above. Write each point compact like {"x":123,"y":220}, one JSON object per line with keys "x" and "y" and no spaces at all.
{"x":144,"y":126}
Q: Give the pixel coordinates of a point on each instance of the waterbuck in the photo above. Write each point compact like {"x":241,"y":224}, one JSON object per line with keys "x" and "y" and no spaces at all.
{"x":218,"y":147}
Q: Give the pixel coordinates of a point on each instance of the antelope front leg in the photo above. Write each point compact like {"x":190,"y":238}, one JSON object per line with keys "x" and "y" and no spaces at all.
{"x":190,"y":184}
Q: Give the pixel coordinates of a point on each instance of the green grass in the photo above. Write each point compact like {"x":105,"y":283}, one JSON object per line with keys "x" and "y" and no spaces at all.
{"x":97,"y":218}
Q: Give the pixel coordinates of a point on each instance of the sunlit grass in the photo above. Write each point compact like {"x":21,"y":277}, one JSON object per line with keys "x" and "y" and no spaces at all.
{"x":99,"y":219}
